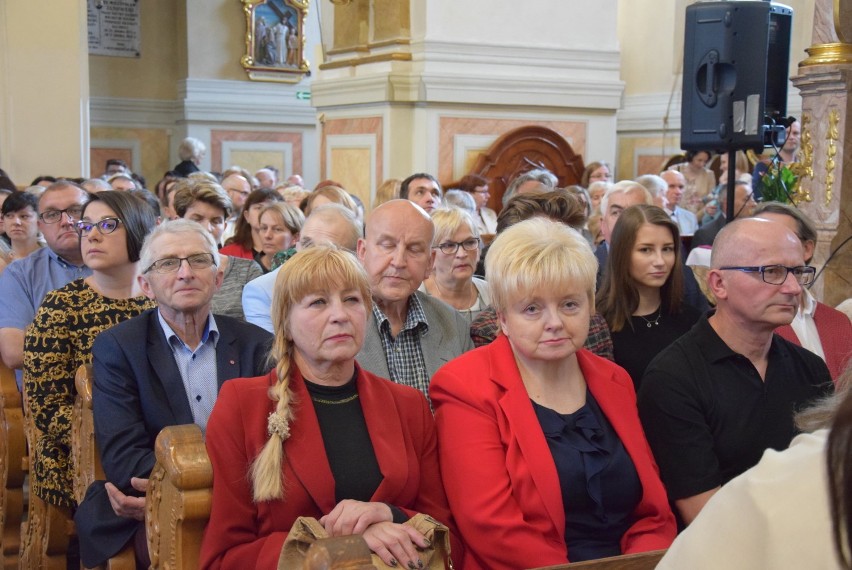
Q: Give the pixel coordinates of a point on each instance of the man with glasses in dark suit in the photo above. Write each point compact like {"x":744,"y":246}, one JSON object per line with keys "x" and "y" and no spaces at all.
{"x":160,"y":369}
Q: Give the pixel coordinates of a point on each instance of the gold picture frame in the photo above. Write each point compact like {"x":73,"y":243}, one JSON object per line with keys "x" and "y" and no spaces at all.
{"x":275,"y":40}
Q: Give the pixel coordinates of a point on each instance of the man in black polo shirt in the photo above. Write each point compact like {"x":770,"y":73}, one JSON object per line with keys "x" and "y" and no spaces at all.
{"x":714,"y":400}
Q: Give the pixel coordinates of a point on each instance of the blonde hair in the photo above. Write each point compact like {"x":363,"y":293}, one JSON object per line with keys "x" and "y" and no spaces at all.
{"x":538,"y":254}
{"x":387,"y":191}
{"x":291,"y":193}
{"x":322,"y":267}
{"x":291,"y":216}
{"x":450,"y":220}
{"x":334,"y":194}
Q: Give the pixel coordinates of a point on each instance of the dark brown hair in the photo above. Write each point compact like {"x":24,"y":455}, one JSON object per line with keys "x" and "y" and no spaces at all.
{"x":618,"y":297}
{"x":242,"y":234}
{"x":559,"y":205}
{"x":135,"y":214}
{"x":470,"y":182}
{"x":587,"y":172}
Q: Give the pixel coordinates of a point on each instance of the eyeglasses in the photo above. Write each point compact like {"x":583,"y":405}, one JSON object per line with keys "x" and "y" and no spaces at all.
{"x":195,"y":261}
{"x":450,"y":247}
{"x":482,"y":192}
{"x":777,"y":274}
{"x":53,"y":216}
{"x":105,"y":226}
{"x":240,"y":192}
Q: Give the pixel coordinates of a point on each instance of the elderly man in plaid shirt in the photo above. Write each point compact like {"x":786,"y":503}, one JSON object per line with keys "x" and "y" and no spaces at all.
{"x":410,"y":334}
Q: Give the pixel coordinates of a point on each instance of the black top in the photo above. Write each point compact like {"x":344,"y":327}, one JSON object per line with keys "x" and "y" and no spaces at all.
{"x":185,"y":168}
{"x":347,"y":442}
{"x":635,"y":347}
{"x":600,"y":486}
{"x":708,"y":415}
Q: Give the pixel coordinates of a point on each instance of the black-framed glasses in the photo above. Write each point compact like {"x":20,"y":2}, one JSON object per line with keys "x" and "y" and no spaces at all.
{"x":53,"y":216}
{"x":105,"y":226}
{"x":777,"y":274}
{"x":451,"y":247}
{"x":195,"y":261}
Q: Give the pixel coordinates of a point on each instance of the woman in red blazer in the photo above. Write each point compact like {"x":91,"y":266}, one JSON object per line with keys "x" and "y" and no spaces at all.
{"x":543,"y":458}
{"x":318,"y":436}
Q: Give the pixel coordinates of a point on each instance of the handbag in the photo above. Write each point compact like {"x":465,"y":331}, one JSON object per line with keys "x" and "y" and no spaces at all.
{"x":308,"y":530}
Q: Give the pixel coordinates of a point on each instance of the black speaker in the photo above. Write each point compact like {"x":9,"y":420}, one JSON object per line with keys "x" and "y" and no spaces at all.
{"x":735,"y":61}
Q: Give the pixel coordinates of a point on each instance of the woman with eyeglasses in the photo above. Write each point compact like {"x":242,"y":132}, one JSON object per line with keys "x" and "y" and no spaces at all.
{"x":457,"y":249}
{"x":112,"y":229}
{"x":20,"y":227}
{"x":477,"y":186}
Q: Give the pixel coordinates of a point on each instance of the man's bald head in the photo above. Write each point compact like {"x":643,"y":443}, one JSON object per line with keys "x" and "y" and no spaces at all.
{"x":400,"y":209}
{"x":397,"y":251}
{"x":749,"y":241}
{"x":330,"y":223}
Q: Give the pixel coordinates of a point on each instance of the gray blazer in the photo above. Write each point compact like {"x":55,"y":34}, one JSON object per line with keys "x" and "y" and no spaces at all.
{"x":448,"y":337}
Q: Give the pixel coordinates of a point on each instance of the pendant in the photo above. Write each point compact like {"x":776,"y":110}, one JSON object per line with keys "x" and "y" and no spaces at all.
{"x":649,"y":324}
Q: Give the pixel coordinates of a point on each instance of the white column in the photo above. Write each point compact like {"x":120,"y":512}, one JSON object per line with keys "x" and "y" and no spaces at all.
{"x":44,"y":90}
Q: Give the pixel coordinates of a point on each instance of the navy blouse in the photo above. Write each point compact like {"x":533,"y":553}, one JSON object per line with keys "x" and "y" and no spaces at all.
{"x":600,"y":486}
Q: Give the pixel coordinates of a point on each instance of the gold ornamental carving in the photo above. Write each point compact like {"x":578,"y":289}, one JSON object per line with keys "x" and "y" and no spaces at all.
{"x":804,"y":167}
{"x":833,"y":136}
{"x":834,"y":52}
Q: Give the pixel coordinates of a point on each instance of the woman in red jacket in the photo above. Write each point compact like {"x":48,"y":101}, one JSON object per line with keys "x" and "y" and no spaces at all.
{"x":318,"y":436}
{"x":543,"y":458}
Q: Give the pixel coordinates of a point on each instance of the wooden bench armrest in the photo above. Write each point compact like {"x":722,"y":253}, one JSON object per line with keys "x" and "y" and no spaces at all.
{"x":13,"y":451}
{"x":180,"y":492}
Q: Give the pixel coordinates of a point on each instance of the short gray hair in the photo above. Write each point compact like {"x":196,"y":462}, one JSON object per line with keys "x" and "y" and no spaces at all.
{"x":654,"y":184}
{"x":328,"y":212}
{"x":191,"y":149}
{"x":546,"y":177}
{"x":171,"y":227}
{"x":460,"y":199}
{"x":624,"y":187}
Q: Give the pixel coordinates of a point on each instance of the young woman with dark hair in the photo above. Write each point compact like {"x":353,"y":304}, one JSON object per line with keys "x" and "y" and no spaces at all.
{"x":112,"y":228}
{"x":641,"y":296}
{"x":20,"y":227}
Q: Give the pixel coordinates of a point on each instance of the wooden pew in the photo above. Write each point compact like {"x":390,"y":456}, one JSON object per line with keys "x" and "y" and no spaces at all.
{"x":180,"y":493}
{"x":13,"y":452}
{"x":85,"y":457}
{"x":640,"y":561}
{"x":45,"y":535}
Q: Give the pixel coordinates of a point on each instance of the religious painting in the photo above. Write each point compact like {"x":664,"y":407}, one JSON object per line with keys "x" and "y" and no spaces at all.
{"x":275,"y":40}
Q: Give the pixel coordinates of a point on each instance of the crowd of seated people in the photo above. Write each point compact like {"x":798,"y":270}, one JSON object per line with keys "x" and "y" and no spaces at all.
{"x":602,"y":410}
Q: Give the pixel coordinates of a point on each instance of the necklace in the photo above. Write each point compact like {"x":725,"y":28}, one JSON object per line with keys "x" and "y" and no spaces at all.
{"x":335,"y":402}
{"x":652,"y":323}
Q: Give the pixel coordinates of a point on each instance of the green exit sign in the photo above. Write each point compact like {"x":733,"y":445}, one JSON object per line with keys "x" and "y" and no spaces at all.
{"x":303,"y":95}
